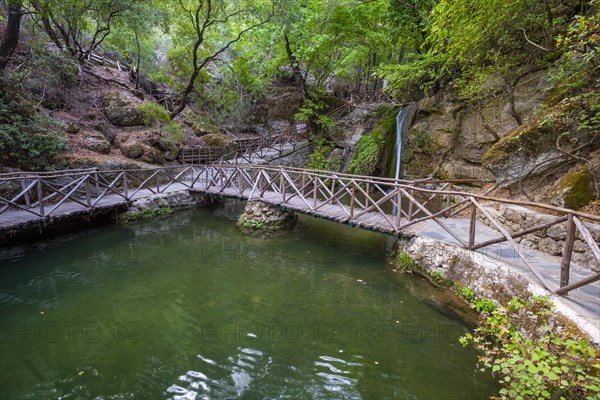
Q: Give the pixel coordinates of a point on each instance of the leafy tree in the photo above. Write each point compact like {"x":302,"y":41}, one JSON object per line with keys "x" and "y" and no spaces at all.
{"x":203,"y":20}
{"x":79,"y":26}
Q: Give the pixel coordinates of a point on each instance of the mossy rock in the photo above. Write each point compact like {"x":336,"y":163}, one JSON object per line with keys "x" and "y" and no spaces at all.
{"x":154,"y":155}
{"x":574,"y":190}
{"x":120,"y":108}
{"x":132,"y":149}
{"x":217,"y":140}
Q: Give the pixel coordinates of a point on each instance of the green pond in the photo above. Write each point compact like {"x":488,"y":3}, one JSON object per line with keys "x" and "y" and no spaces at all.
{"x":188,"y":307}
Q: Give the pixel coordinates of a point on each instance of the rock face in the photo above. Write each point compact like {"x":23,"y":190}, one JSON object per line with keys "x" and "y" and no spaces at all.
{"x":121,"y":109}
{"x":170,"y":151}
{"x":539,"y":151}
{"x":265,"y":217}
{"x":178,"y":200}
{"x":463,"y":134}
{"x":487,"y":276}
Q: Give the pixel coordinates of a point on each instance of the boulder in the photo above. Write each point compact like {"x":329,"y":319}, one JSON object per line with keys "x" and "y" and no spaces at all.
{"x":574,"y":190}
{"x":121,"y":109}
{"x":132,"y":149}
{"x":153,"y":155}
{"x":105,"y":130}
{"x":170,"y":150}
{"x":97,"y":143}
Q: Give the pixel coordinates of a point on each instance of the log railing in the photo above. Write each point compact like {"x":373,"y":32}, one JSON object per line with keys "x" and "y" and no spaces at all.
{"x":244,"y":151}
{"x":382,"y":204}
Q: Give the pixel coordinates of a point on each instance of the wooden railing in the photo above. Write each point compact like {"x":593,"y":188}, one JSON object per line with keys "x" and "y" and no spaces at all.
{"x":382,"y":204}
{"x":243,"y":151}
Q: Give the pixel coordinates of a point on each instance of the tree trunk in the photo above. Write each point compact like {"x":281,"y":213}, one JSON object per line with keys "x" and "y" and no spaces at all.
{"x":11,"y":36}
{"x":295,"y":68}
{"x":137,"y":67}
{"x":511,"y":102}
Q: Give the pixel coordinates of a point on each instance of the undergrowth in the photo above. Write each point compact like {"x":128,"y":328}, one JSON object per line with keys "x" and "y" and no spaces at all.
{"x":146,"y":213}
{"x":532,"y":358}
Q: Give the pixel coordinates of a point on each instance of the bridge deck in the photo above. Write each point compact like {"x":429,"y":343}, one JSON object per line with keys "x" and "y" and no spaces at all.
{"x":15,"y":219}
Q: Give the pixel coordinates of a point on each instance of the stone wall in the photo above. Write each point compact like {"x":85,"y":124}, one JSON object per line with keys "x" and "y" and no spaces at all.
{"x":550,"y":241}
{"x":489,"y":278}
{"x":265,"y":217}
{"x":177,"y":200}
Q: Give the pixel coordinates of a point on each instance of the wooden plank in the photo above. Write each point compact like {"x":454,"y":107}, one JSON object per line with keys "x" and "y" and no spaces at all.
{"x":472,"y":222}
{"x":587,"y":236}
{"x":577,"y":285}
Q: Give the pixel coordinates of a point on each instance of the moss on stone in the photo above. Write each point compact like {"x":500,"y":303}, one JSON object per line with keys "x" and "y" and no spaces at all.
{"x":575,"y":189}
{"x":368,"y":153}
{"x":535,"y":136}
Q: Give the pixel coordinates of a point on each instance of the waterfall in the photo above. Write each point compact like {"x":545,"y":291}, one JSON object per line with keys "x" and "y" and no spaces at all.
{"x":403,"y":121}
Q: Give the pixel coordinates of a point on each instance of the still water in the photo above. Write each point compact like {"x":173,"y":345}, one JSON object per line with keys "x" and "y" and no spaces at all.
{"x":188,"y":307}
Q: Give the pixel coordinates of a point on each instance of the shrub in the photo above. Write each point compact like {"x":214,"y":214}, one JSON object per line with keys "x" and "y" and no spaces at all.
{"x":319,"y":158}
{"x":368,"y":154}
{"x":28,"y":139}
{"x":146,"y":213}
{"x":530,"y":359}
{"x":405,"y":263}
{"x":170,"y":132}
{"x":153,"y":112}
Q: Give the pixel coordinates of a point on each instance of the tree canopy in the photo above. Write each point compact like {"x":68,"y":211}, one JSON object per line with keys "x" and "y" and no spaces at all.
{"x":224,"y":54}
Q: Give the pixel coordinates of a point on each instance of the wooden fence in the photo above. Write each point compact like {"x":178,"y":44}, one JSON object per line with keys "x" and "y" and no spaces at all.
{"x":243,"y":150}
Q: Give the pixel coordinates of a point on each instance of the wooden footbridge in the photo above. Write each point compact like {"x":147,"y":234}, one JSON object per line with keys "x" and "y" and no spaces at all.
{"x":386,"y":205}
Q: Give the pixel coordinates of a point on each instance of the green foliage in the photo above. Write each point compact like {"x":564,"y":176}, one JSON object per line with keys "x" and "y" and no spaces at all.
{"x":146,"y":213}
{"x":531,"y":360}
{"x":319,"y":159}
{"x":29,"y":139}
{"x":311,"y":111}
{"x":171,"y":132}
{"x":414,"y":76}
{"x":437,"y":276}
{"x":253,"y":225}
{"x":481,"y":305}
{"x":577,"y":70}
{"x":368,"y":154}
{"x":405,"y":263}
{"x":153,"y":113}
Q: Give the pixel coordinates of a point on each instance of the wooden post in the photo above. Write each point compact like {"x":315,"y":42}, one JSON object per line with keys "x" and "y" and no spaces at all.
{"x":315,"y":192}
{"x":97,"y":183}
{"x":352,"y":200}
{"x":568,"y":251}
{"x":125,"y":186}
{"x":472,"y":223}
{"x":410,"y":206}
{"x":88,"y":194}
{"x":40,"y":194}
{"x":27,"y":199}
{"x":282,"y":183}
{"x":398,"y":207}
{"x":449,"y":198}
